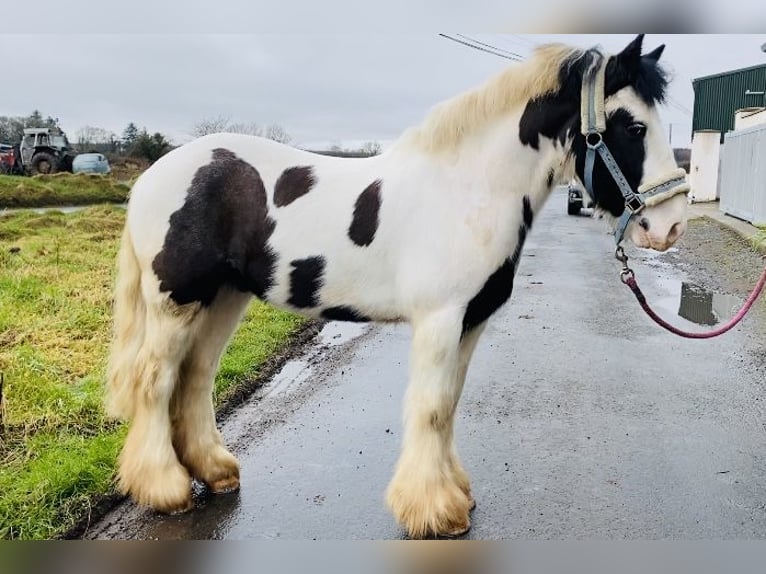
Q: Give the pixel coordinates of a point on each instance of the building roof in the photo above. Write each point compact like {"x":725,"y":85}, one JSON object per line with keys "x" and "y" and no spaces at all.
{"x":728,"y":73}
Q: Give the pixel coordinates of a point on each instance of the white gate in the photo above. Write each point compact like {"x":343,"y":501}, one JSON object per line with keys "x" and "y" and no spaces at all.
{"x":743,"y":174}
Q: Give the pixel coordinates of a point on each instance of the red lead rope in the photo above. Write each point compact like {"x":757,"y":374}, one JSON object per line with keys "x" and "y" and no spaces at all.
{"x":629,"y":279}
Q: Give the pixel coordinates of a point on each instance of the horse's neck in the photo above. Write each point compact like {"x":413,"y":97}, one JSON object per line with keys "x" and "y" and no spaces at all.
{"x":511,"y":165}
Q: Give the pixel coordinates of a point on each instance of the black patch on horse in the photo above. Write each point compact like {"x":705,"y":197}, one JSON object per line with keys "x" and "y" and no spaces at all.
{"x":549,"y":179}
{"x":549,"y":117}
{"x":344,"y":313}
{"x":219,"y":236}
{"x":305,"y":281}
{"x":292,"y":184}
{"x":365,"y":221}
{"x":498,"y":287}
{"x":628,"y":151}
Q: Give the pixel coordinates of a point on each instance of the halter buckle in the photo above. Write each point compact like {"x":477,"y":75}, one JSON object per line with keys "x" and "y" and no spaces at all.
{"x":634,"y":204}
{"x":593,"y":140}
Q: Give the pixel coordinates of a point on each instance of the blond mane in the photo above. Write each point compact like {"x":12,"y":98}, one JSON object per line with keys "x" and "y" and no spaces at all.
{"x":448,"y":122}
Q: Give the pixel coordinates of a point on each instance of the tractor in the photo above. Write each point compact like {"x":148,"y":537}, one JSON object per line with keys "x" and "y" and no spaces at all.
{"x":45,"y":150}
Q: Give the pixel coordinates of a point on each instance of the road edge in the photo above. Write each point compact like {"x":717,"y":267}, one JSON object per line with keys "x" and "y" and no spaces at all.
{"x":742,"y":228}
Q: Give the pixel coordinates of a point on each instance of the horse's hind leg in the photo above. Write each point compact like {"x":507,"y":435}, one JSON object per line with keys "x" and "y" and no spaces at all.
{"x":149,"y":469}
{"x":429,"y":491}
{"x":196,"y":439}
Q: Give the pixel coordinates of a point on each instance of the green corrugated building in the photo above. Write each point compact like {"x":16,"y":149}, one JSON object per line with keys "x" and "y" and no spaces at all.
{"x":717,"y":97}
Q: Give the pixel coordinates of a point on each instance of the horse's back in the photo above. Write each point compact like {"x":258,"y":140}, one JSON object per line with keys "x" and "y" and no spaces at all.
{"x":262,"y":217}
{"x":200,"y":166}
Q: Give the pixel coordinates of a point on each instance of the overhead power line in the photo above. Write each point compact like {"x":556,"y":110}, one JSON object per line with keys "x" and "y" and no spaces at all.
{"x":475,"y":47}
{"x":516,"y":57}
{"x":679,"y":106}
{"x":504,"y":51}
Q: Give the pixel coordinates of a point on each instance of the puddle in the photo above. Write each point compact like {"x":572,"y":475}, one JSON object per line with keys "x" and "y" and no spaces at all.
{"x":297,"y":371}
{"x":705,"y":307}
{"x":296,"y":380}
{"x":689,"y":301}
{"x":292,"y":373}
{"x":340,"y":332}
{"x":61,"y":208}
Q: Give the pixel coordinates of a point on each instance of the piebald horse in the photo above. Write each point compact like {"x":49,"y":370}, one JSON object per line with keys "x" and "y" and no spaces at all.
{"x":429,"y":232}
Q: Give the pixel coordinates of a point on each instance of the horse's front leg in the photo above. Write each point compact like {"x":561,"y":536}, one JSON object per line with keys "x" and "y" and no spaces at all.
{"x":429,"y":493}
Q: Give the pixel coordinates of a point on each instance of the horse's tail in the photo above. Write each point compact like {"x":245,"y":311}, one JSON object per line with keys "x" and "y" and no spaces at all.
{"x":129,"y":332}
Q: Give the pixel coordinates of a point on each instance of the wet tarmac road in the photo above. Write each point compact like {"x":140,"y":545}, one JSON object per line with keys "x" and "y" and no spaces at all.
{"x":580,"y":419}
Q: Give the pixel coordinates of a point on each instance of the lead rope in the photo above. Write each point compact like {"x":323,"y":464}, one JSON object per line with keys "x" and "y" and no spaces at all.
{"x":628,"y":277}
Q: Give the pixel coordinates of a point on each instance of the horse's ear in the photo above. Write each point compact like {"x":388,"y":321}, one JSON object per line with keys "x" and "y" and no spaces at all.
{"x":656,"y":53}
{"x":630,"y":57}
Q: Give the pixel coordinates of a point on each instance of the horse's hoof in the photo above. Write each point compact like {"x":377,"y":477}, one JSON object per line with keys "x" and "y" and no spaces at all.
{"x":428,"y":509}
{"x":166,"y":490}
{"x":224,"y":485}
{"x":457,"y":533}
{"x":472,"y":503}
{"x":183,"y":509}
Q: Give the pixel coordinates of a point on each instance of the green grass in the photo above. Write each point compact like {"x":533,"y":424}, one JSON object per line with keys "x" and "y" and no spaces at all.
{"x":759,"y":239}
{"x":60,"y":189}
{"x":57,"y":449}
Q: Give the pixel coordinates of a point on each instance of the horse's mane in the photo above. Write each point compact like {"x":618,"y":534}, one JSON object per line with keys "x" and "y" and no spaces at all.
{"x":448,"y":122}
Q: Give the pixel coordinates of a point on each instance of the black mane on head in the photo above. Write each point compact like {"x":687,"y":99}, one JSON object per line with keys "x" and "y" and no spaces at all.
{"x":651,"y":81}
{"x":642,"y":73}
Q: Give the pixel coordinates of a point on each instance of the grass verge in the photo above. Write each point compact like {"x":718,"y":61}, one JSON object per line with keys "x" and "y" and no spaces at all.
{"x":759,"y":240}
{"x":57,"y":449}
{"x":60,"y":189}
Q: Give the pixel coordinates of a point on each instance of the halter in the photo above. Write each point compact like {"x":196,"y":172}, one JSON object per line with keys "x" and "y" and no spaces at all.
{"x":593,"y":122}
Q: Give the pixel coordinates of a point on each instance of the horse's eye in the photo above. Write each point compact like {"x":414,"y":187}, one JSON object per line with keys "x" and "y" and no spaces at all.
{"x":636,"y":130}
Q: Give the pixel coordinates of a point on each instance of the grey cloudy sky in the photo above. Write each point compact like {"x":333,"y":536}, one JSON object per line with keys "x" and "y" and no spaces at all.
{"x":321,"y":88}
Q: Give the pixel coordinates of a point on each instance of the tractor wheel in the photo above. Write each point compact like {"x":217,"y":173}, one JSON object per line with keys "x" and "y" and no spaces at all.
{"x":66,"y":163}
{"x":43,"y":163}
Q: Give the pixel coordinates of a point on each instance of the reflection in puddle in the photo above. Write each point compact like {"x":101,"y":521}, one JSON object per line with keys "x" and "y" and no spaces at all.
{"x":704,"y":307}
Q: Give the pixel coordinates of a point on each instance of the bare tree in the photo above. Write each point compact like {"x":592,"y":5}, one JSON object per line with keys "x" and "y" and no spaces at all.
{"x":371,"y":148}
{"x":248,"y":128}
{"x":210,"y":126}
{"x":94,"y":137}
{"x":278,"y":134}
{"x":222,"y":124}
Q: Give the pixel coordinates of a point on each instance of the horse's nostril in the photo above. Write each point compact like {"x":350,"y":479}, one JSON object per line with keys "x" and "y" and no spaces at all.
{"x":674,"y":231}
{"x":644,"y":223}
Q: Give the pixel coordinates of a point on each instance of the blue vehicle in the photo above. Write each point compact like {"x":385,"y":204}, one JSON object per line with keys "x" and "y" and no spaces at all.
{"x":91,"y":163}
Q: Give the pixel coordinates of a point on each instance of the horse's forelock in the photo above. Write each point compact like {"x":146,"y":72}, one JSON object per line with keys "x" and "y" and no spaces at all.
{"x":651,"y":81}
{"x":647,"y":77}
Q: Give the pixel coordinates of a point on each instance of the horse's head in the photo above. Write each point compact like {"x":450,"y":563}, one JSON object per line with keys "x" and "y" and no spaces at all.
{"x":632,"y":86}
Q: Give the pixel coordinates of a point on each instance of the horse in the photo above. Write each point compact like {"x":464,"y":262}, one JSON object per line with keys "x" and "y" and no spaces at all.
{"x":428,"y":232}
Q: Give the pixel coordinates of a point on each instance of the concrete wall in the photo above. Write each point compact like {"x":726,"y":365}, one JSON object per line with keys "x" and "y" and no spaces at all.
{"x":703,"y":172}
